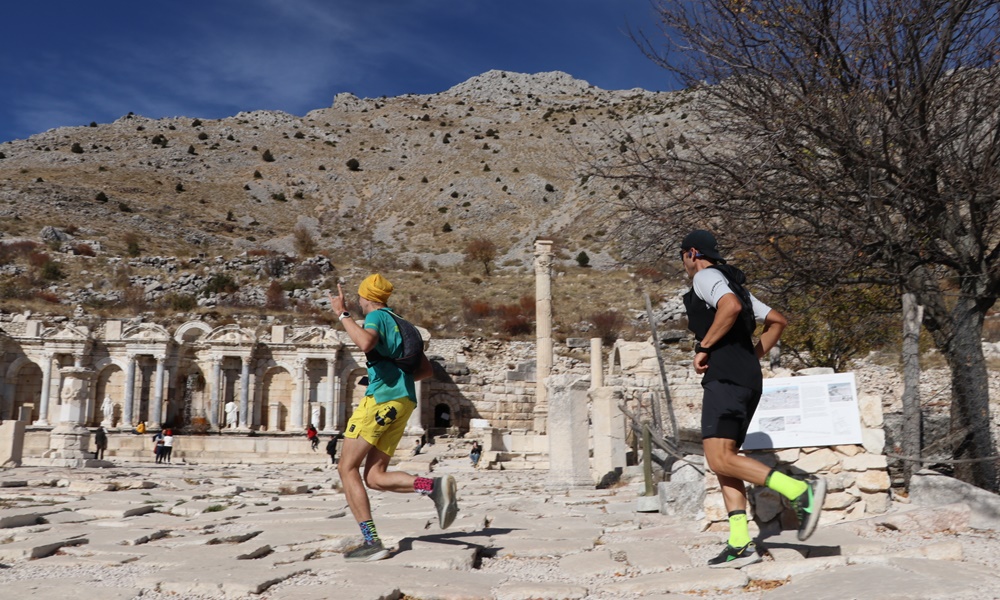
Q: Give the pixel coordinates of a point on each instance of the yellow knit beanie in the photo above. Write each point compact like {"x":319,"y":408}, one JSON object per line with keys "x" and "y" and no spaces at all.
{"x":375,"y":288}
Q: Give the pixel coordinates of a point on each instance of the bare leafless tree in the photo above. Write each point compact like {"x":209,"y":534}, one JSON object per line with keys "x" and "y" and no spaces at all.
{"x":483,"y":251}
{"x":844,"y":142}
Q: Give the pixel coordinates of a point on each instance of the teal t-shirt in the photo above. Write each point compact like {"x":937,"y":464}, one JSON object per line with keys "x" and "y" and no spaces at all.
{"x":386,"y":381}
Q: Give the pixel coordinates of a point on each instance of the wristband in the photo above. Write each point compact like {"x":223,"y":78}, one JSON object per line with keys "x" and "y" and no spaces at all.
{"x":698,"y":348}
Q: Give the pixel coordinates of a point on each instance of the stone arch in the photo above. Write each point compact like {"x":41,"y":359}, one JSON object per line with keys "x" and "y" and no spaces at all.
{"x":353,"y":391}
{"x":24,"y":384}
{"x":188,"y":409}
{"x":109,"y":381}
{"x":445,"y":415}
{"x":191,"y":332}
{"x":277,"y":388}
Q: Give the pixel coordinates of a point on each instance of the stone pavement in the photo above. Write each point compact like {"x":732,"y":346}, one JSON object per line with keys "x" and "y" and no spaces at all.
{"x":279,"y":532}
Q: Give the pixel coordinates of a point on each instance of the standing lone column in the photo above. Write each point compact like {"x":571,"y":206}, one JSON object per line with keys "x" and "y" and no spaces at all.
{"x":338,"y":405}
{"x":596,"y":368}
{"x":543,"y":330}
{"x":43,"y":402}
{"x":331,"y":389}
{"x":156,"y":411}
{"x":245,"y":393}
{"x":213,"y":413}
{"x":298,"y":401}
{"x":128,"y":419}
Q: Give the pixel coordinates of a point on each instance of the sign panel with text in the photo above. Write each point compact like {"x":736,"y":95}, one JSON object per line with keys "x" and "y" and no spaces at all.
{"x":813,"y":410}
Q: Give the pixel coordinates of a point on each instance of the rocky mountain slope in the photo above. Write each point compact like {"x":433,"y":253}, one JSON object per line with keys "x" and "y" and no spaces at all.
{"x":400,"y":182}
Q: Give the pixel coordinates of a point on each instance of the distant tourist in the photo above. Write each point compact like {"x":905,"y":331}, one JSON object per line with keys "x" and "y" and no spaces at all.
{"x":378,"y":423}
{"x":158,"y":446}
{"x":100,"y":442}
{"x":475,"y":453}
{"x":168,"y":445}
{"x":331,"y":449}
{"x":313,"y":436}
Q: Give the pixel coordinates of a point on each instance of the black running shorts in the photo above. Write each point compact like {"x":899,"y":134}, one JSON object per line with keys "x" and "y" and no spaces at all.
{"x":726,"y":410}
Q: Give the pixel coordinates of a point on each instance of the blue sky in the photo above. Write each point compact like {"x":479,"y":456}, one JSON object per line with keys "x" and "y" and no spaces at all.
{"x":67,"y":63}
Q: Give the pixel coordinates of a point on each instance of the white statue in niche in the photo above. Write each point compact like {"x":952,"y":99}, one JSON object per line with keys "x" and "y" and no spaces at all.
{"x":231,"y":414}
{"x":107,"y":411}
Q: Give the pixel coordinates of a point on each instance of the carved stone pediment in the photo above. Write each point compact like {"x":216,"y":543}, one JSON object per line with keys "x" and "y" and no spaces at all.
{"x":231,"y":335}
{"x":66,"y":332}
{"x":146,"y":332}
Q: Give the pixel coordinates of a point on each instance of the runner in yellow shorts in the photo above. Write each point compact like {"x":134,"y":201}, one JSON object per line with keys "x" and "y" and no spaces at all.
{"x":381,"y":425}
{"x":377,"y":425}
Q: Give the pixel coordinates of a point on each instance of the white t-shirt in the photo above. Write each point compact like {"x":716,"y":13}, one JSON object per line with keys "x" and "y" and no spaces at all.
{"x":711,"y":285}
{"x":168,"y":440}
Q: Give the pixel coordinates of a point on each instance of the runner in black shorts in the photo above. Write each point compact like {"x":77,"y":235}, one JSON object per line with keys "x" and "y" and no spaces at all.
{"x":723,"y":315}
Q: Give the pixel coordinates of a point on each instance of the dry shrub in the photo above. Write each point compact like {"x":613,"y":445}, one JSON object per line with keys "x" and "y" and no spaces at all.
{"x":13,"y":250}
{"x":527,"y":304}
{"x":20,"y":287}
{"x":38,"y":259}
{"x":475,"y":310}
{"x":608,"y":325}
{"x":47,"y":296}
{"x":275,"y":298}
{"x":515,"y":325}
{"x":83,"y":250}
{"x":134,"y":298}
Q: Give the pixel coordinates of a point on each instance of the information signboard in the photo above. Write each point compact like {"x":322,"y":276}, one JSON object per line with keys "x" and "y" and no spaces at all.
{"x":813,"y":410}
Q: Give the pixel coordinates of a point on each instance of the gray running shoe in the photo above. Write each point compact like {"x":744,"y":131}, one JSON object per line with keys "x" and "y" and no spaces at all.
{"x":734,"y":558}
{"x":443,"y":494}
{"x":808,"y":506}
{"x":367,"y":552}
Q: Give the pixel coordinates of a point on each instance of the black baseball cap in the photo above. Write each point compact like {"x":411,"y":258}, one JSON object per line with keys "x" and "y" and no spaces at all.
{"x":704,"y":242}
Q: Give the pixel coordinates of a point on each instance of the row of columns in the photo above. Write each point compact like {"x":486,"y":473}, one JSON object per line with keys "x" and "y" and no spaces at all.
{"x":297,"y":418}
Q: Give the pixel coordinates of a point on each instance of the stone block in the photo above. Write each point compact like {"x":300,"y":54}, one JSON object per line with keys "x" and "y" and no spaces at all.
{"x":11,"y":443}
{"x":865,"y":462}
{"x":767,"y":504}
{"x":818,"y":461}
{"x":928,"y":488}
{"x":873,"y":440}
{"x":951,"y":517}
{"x":870,"y":406}
{"x":686,"y":498}
{"x":876,"y":503}
{"x":875,"y":480}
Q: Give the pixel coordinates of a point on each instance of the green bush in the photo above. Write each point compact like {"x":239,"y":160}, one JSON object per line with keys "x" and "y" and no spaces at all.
{"x":76,"y":148}
{"x":267,"y":156}
{"x":582,"y":259}
{"x":220,"y":283}
{"x":353,"y":164}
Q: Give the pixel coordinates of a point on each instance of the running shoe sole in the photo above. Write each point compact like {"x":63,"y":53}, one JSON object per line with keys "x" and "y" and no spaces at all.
{"x":808,"y":525}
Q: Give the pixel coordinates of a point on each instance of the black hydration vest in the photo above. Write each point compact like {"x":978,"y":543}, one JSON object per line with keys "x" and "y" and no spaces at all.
{"x":733,"y":358}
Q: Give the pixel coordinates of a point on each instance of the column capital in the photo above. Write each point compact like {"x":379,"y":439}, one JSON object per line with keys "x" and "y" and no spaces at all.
{"x":162,"y":357}
{"x":247,"y":360}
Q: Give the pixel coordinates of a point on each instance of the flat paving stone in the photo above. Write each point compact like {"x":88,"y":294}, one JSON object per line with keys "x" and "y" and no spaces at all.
{"x":65,"y":588}
{"x":524,"y":590}
{"x":228,"y":579}
{"x":690,"y":581}
{"x":869,"y":582}
{"x":38,"y":546}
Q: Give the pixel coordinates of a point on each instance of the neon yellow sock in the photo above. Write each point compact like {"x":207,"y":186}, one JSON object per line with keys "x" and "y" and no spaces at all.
{"x":739,"y":531}
{"x":788,"y":487}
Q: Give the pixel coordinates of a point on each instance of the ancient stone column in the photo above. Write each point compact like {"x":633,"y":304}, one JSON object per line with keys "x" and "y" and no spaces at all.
{"x":596,"y":368}
{"x":156,"y":411}
{"x":43,"y":402}
{"x":568,"y":436}
{"x":338,"y":405}
{"x":414,"y":425}
{"x":298,"y":401}
{"x":543,"y":329}
{"x":213,"y":413}
{"x":245,"y":393}
{"x":70,"y":440}
{"x":331,"y":389}
{"x":609,"y":431}
{"x":128,"y":419}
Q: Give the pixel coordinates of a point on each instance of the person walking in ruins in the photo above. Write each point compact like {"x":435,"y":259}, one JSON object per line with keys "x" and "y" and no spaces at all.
{"x":168,"y":445}
{"x":100,"y":442}
{"x":378,"y":423}
{"x":313,"y":436}
{"x":331,"y":449}
{"x":723,"y":316}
